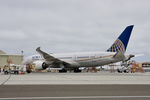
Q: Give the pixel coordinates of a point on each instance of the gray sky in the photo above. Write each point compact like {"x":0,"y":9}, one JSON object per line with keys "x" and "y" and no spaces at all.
{"x":73,"y":25}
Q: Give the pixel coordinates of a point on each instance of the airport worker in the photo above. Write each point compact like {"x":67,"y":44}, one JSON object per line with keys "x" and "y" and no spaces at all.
{"x":22,"y":70}
{"x":17,"y":70}
{"x":28,"y":69}
{"x":5,"y":70}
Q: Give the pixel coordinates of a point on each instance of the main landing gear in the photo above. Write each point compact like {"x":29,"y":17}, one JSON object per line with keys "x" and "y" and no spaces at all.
{"x":63,"y":71}
{"x":77,"y":70}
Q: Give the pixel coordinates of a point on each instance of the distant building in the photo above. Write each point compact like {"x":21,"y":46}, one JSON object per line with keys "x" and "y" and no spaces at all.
{"x":146,"y":64}
{"x":2,"y":52}
{"x":6,"y":59}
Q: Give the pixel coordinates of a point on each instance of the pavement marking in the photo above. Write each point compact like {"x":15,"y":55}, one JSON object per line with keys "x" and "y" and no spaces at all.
{"x":6,"y":80}
{"x":75,"y":97}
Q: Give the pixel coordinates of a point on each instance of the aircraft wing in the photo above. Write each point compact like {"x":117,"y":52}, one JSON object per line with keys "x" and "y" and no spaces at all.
{"x":50,"y":59}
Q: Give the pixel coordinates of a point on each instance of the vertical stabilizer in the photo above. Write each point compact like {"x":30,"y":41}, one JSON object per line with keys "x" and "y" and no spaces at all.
{"x":121,"y":43}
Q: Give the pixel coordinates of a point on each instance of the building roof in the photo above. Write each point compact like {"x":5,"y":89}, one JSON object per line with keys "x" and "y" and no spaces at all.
{"x":146,"y":63}
{"x":2,"y":52}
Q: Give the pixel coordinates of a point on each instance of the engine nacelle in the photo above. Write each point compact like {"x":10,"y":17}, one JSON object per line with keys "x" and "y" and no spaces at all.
{"x":40,"y":65}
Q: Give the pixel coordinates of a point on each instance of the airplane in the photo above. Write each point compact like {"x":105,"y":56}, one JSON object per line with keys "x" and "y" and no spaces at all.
{"x":73,"y":61}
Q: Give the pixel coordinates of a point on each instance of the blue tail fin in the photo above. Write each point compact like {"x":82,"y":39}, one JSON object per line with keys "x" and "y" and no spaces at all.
{"x":121,"y":43}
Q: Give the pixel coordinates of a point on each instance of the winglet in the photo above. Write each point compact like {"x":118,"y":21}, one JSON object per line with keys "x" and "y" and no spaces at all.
{"x":49,"y":58}
{"x":38,"y":49}
{"x":41,"y":52}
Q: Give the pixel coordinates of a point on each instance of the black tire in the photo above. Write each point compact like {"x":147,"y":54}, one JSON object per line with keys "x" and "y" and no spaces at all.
{"x":28,"y":71}
{"x":76,"y":70}
{"x":119,"y":71}
{"x":63,"y":71}
{"x":6,"y":72}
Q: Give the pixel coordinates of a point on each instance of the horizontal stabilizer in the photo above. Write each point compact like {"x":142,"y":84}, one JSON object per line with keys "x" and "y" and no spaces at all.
{"x":119,"y":55}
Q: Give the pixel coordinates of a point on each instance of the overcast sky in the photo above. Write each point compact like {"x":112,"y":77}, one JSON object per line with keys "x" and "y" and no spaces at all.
{"x":59,"y":26}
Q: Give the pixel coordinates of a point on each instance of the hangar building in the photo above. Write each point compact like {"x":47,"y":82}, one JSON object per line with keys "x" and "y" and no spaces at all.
{"x":6,"y":59}
{"x":146,"y":64}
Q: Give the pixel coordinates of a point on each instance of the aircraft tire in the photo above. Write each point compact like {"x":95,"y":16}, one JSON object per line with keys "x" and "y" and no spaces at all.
{"x":63,"y":71}
{"x":76,"y":70}
{"x":28,"y":71}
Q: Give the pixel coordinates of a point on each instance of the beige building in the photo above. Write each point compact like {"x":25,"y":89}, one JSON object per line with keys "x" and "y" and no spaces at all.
{"x":146,"y":64}
{"x":6,"y":59}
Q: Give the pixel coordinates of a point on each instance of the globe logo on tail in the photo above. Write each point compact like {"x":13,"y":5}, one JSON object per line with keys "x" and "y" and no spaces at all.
{"x":117,"y":46}
{"x":120,"y":45}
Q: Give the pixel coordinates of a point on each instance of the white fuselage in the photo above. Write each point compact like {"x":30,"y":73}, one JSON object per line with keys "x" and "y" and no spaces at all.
{"x":84,"y":59}
{"x":81,"y":59}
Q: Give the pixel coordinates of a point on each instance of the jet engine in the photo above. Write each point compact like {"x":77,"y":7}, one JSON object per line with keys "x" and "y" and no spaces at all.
{"x":40,"y":65}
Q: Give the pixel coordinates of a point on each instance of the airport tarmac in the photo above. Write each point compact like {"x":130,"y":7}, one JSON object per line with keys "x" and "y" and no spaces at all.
{"x":75,"y":86}
{"x":76,"y":78}
{"x":75,"y":92}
